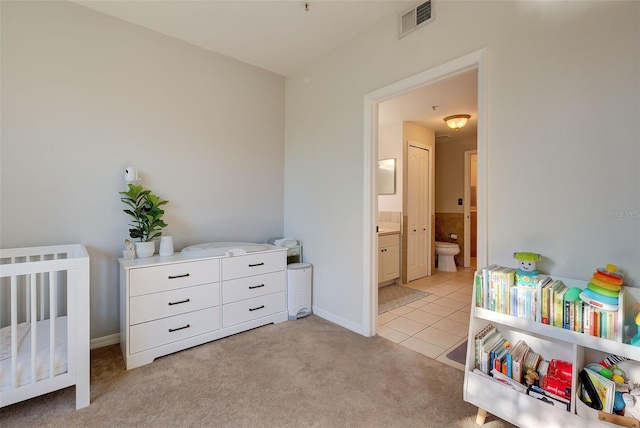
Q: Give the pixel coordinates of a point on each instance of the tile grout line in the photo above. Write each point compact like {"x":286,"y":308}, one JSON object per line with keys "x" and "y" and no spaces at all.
{"x":440,"y":283}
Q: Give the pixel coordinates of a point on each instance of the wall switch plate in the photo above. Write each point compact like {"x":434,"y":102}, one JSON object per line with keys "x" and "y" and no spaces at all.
{"x":459,"y":201}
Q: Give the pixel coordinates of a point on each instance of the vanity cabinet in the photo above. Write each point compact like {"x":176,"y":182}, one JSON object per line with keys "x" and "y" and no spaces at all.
{"x":168,"y":304}
{"x":388,"y":257}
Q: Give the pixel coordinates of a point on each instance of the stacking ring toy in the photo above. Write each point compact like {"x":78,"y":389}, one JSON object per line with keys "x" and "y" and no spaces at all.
{"x":597,"y":303}
{"x":605,"y":278}
{"x":600,"y":298}
{"x":605,"y":285}
{"x":601,"y":290}
{"x":610,"y":271}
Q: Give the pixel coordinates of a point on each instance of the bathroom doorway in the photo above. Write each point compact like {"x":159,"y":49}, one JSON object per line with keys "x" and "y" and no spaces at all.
{"x":470,"y":206}
{"x":472,"y":62}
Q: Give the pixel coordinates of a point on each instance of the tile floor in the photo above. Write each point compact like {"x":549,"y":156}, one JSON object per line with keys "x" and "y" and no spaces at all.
{"x":438,"y":323}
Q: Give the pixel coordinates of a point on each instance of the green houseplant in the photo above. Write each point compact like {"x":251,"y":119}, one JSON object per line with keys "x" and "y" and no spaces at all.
{"x":147,"y":223}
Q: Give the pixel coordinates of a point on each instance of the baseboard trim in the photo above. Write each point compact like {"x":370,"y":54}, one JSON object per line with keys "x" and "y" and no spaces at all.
{"x":100,"y":342}
{"x":349,"y":325}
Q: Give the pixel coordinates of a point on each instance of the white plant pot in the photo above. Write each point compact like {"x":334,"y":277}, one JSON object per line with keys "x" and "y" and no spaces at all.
{"x":145,"y":249}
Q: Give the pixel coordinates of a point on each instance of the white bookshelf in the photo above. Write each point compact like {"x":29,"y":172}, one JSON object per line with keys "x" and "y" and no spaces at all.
{"x":551,"y":342}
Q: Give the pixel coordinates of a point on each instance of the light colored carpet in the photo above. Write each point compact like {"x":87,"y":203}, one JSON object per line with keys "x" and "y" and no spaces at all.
{"x":303,"y":373}
{"x":393,"y":296}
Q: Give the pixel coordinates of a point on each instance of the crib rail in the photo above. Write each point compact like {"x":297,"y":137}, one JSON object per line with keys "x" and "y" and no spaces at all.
{"x":42,"y":283}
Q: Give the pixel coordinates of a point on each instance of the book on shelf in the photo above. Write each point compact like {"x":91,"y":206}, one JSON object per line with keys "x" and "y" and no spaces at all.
{"x":524,"y":302}
{"x":486,"y":335}
{"x":515,"y":385}
{"x":543,"y":281}
{"x":486,"y":275}
{"x":493,"y":379}
{"x":518,"y":353}
{"x":477,"y":282}
{"x":550,"y":398}
{"x":544,"y":301}
{"x":498,"y":349}
{"x":597,"y":391}
{"x":552,"y":290}
{"x":497,"y":291}
{"x":579,"y":310}
{"x":558,"y":305}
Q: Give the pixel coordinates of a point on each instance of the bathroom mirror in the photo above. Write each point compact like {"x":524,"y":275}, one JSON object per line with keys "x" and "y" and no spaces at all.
{"x":387,"y":177}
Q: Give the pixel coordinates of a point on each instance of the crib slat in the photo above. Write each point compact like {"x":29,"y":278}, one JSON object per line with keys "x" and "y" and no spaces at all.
{"x":27,"y":303}
{"x":34,"y":332}
{"x":14,"y":332}
{"x":53,"y":304}
{"x":41,"y":300}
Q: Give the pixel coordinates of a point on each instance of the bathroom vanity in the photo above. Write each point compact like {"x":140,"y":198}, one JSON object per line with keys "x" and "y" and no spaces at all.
{"x":168,"y":304}
{"x":388,"y":256}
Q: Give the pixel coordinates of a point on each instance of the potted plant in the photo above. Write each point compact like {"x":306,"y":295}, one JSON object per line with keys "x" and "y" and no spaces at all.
{"x":147,"y":223}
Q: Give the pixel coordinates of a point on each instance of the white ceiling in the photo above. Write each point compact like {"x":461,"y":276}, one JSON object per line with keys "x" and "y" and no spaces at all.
{"x":277,"y":35}
{"x":280,"y":36}
{"x":455,"y":95}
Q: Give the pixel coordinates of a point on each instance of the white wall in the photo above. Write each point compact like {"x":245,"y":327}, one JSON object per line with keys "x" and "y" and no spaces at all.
{"x":85,"y":95}
{"x":562,"y":137}
{"x":450,"y":174}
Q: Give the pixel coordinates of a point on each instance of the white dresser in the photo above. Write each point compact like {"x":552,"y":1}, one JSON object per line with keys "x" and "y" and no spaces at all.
{"x":172,"y":303}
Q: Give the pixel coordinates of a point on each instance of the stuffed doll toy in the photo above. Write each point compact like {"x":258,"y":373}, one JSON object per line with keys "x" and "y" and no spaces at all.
{"x":526,"y":274}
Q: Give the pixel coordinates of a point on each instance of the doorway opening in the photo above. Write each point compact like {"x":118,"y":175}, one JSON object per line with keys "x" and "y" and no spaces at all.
{"x":473,"y":61}
{"x":470,"y":206}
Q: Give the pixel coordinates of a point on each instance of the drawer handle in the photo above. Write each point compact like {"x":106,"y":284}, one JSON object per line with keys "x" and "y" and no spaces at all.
{"x":181,"y":301}
{"x":257,"y":264}
{"x":178,"y":276}
{"x":255,"y":309}
{"x":171,"y":330}
{"x":251,"y":287}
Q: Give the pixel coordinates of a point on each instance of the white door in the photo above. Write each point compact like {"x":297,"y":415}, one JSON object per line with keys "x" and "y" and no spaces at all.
{"x":418,"y":223}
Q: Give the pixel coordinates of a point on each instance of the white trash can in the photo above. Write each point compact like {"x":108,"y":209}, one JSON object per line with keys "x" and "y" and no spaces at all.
{"x":299,"y":290}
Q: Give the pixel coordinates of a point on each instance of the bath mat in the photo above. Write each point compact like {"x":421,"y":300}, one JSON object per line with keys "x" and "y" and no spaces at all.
{"x":394,"y":296}
{"x":459,"y":355}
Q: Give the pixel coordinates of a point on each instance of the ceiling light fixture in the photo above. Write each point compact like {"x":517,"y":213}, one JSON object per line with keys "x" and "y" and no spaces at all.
{"x":457,"y":121}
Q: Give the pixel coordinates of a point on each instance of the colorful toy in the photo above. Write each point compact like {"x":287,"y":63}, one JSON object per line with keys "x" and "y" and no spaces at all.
{"x":604,"y":288}
{"x":527,"y":274}
{"x":558,"y":379}
{"x":635,"y":341}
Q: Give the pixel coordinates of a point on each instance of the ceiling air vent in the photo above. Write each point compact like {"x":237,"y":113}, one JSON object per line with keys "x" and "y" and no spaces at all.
{"x":415,"y":18}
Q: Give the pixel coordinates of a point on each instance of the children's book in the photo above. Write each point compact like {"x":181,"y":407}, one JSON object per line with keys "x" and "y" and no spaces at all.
{"x":486,"y":278}
{"x":477,"y":281}
{"x":542,"y":299}
{"x":594,"y":383}
{"x":558,"y":305}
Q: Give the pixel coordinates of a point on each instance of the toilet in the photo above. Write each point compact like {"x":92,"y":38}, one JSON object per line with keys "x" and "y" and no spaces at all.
{"x":445,"y":252}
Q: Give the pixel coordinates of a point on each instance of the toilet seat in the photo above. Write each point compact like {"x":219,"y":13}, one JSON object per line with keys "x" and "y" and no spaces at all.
{"x":446,"y":244}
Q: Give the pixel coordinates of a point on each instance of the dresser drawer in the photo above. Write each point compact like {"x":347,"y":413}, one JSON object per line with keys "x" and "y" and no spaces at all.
{"x":250,"y":309}
{"x":166,"y":330}
{"x":253,"y":264}
{"x":169,"y":277}
{"x":253,"y":286}
{"x":150,"y":307}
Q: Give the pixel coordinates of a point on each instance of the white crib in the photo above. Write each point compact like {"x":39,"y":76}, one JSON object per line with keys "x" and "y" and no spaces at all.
{"x":44,"y":320}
